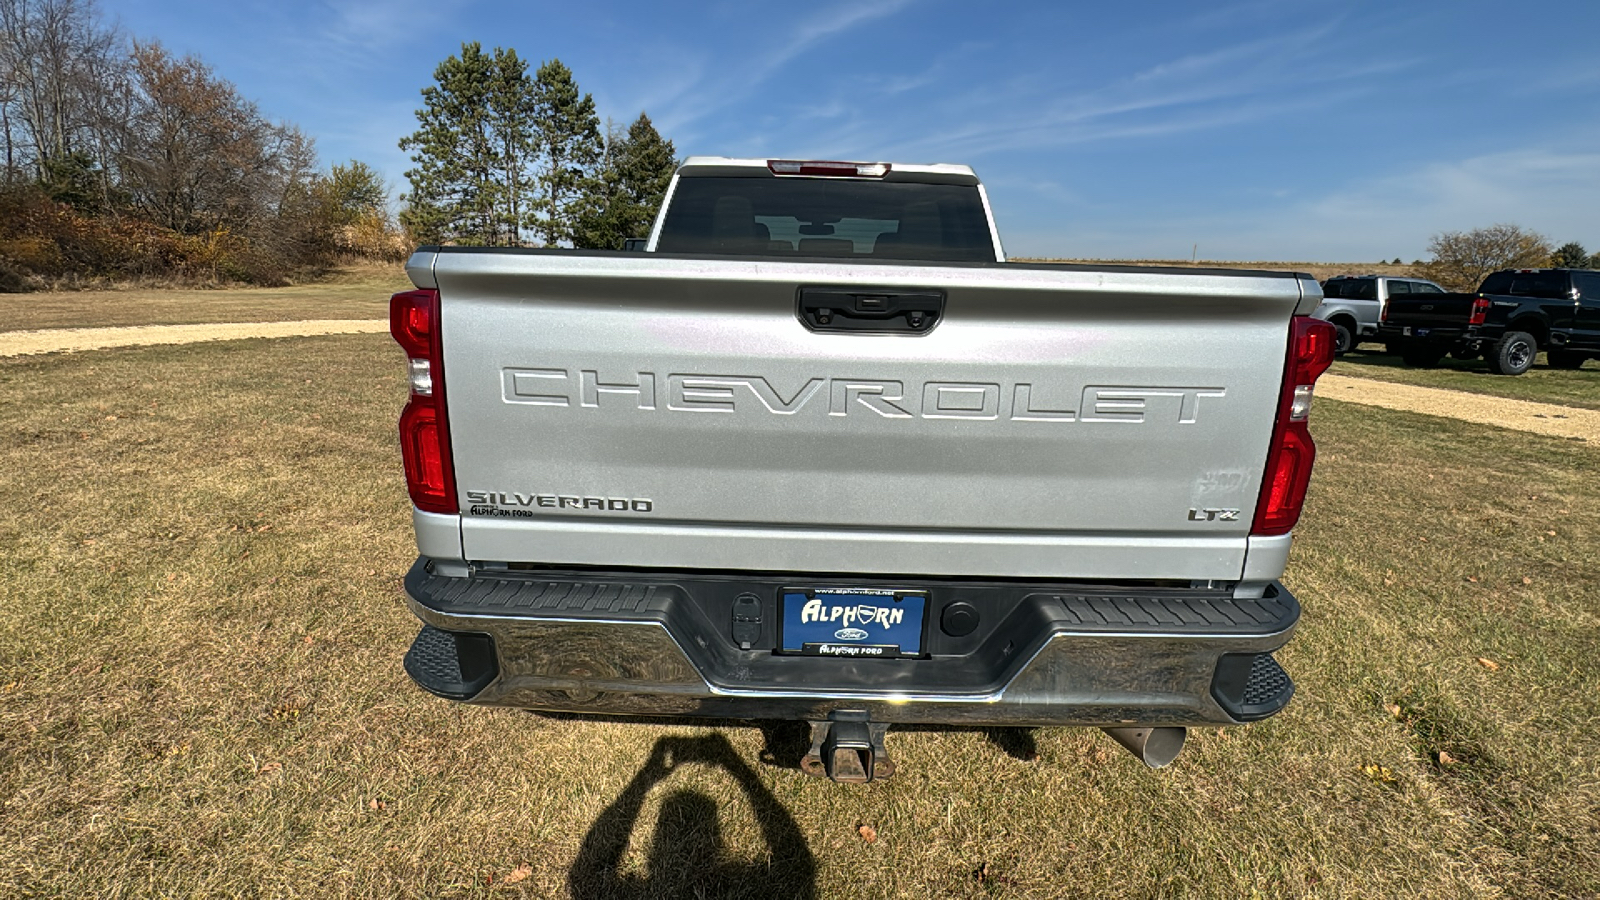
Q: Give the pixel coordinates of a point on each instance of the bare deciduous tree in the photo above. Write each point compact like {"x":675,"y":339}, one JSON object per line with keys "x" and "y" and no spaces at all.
{"x":58,"y":68}
{"x":1462,"y":259}
{"x":199,"y":157}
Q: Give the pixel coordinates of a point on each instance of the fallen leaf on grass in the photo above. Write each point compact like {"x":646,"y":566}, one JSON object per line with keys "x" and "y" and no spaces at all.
{"x":376,"y":803}
{"x":269,"y":768}
{"x":1489,"y":664}
{"x":1392,"y":709}
{"x":309,"y":639}
{"x":520,"y":873}
{"x":867,"y":832}
{"x":1527,"y":580}
{"x":1472,"y":578}
{"x":1446,"y":759}
{"x":1380,"y":774}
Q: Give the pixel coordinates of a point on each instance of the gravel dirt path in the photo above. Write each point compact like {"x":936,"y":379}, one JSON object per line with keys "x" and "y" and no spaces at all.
{"x":1522,"y":415}
{"x":67,"y":340}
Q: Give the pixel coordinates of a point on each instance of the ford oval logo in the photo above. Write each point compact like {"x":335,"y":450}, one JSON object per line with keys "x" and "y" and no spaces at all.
{"x":850,"y":634}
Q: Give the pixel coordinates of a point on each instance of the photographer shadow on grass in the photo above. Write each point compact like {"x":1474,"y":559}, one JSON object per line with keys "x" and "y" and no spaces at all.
{"x":687,"y":856}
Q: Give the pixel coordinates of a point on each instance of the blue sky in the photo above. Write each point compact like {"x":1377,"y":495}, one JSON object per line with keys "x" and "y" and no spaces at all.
{"x":1308,"y":131}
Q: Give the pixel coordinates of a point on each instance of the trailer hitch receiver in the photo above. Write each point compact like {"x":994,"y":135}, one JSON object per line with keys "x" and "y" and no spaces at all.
{"x":848,"y":747}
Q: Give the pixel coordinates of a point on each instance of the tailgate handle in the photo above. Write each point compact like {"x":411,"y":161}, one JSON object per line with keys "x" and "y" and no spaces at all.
{"x":870,"y":311}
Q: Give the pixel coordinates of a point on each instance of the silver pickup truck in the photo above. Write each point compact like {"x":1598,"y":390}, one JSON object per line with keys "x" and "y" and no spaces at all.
{"x":821,"y":454}
{"x":1356,"y":304}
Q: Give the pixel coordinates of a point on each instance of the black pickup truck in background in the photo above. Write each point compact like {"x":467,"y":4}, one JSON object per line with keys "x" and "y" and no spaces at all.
{"x":1514,"y":314}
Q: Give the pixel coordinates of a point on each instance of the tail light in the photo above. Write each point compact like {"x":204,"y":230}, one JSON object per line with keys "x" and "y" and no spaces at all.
{"x":424,"y":433}
{"x":1480,"y":311}
{"x":1289,"y":459}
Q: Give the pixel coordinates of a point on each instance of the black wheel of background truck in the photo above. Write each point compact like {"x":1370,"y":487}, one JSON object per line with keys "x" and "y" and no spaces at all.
{"x":1513,"y":354}
{"x":1344,"y":340}
{"x":1422,"y":356}
{"x":1565,"y":359}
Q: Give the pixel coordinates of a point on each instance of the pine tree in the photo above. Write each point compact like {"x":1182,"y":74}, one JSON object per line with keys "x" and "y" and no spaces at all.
{"x":626,"y":196}
{"x":499,"y":154}
{"x":454,"y":191}
{"x":512,"y":116}
{"x":570,"y":150}
{"x":1570,"y":255}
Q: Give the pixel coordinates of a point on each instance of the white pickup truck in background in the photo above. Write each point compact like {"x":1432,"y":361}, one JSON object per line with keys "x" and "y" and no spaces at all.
{"x":819,"y":453}
{"x":1356,"y":304}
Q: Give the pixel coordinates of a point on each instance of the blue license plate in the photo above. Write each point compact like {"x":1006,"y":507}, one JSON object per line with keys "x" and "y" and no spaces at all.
{"x":855,"y":623}
{"x":1423,"y":332}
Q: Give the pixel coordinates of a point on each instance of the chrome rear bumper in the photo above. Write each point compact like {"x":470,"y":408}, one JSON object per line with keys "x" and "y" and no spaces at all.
{"x":653,"y":644}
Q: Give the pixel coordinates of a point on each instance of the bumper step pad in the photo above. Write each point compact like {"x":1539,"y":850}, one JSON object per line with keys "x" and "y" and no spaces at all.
{"x":1251,"y":686}
{"x":454,"y":665}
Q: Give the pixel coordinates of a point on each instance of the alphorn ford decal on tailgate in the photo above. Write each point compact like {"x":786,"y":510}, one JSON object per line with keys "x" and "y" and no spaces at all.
{"x":1017,"y":402}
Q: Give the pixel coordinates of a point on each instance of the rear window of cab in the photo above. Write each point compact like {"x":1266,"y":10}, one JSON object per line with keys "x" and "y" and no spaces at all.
{"x":839,"y":218}
{"x":1351,"y":288}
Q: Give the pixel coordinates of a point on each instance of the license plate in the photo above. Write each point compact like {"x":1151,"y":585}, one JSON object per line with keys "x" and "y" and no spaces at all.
{"x":854,"y":623}
{"x":1406,"y":331}
{"x":1423,"y":332}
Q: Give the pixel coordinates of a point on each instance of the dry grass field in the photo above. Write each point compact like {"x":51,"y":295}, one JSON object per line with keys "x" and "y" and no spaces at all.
{"x":354,"y":293}
{"x":201,"y":692}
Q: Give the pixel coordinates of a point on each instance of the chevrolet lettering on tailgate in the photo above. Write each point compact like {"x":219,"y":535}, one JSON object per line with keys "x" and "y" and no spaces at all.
{"x":1017,"y":402}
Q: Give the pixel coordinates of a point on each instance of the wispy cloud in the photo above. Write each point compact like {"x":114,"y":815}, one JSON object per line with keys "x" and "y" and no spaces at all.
{"x":736,"y":79}
{"x":1551,"y":190}
{"x":1548,"y":190}
{"x":1246,"y":81}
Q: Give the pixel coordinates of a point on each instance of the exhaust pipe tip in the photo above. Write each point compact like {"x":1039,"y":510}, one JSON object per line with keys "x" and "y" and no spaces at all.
{"x":1155,"y":747}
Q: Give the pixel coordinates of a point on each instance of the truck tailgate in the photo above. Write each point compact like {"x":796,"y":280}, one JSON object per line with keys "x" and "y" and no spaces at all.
{"x":645,"y":410}
{"x":1430,"y":309}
